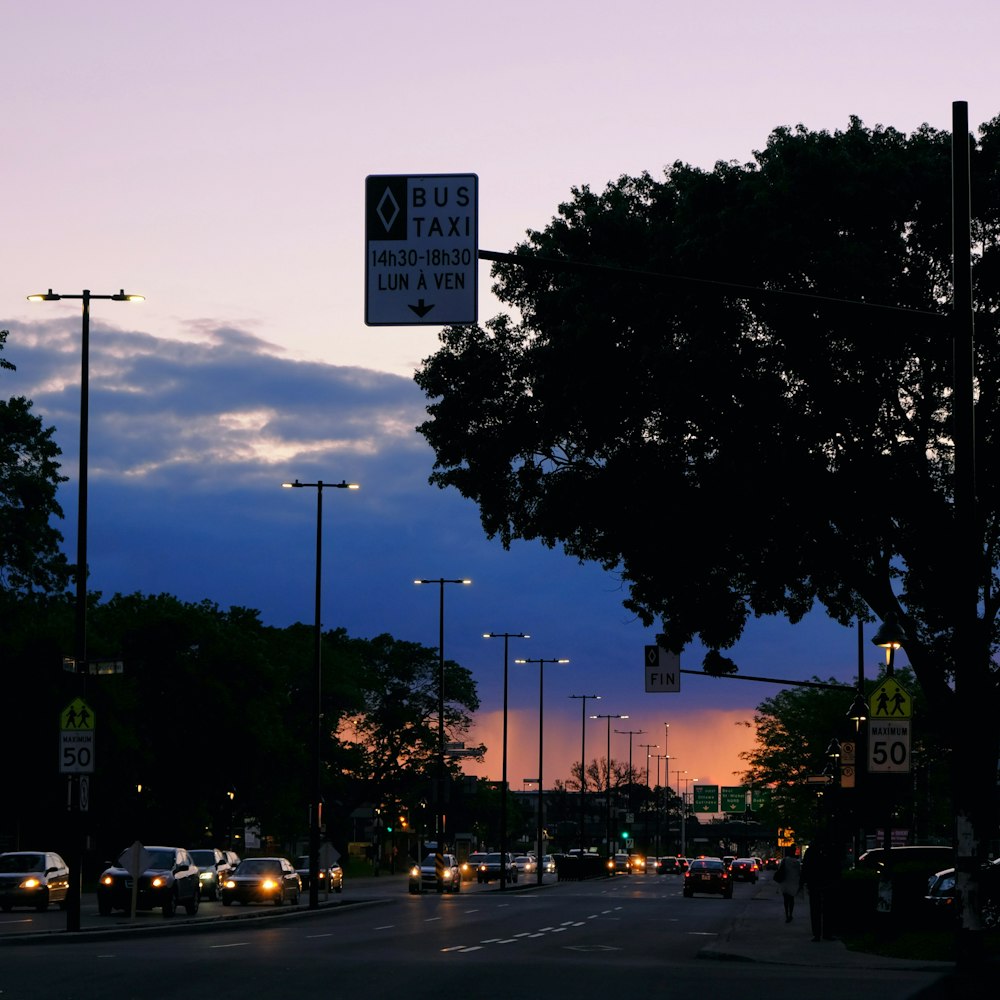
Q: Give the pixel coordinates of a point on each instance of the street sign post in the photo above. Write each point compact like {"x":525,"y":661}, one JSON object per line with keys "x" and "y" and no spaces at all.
{"x":421,"y":249}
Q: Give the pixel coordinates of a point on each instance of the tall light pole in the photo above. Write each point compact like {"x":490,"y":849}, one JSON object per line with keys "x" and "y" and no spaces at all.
{"x":315,"y":806}
{"x":607,"y":796}
{"x":439,"y":798}
{"x":630,"y":733}
{"x":506,"y":636}
{"x":678,"y":774}
{"x":647,"y":747}
{"x":584,"y":698}
{"x":541,"y":661}
{"x":80,"y":607}
{"x":659,"y":808}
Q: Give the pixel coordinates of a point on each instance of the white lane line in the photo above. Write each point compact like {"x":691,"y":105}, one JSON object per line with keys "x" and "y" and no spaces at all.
{"x":507,"y":941}
{"x":430,"y":920}
{"x":536,"y":935}
{"x":490,"y":941}
{"x":474,"y":947}
{"x":384,"y":927}
{"x":309,"y":936}
{"x":567,"y":923}
{"x":577,"y":923}
{"x":703,"y":933}
{"x":454,"y":947}
{"x":523,"y":934}
{"x":558,"y":930}
{"x":235,"y":944}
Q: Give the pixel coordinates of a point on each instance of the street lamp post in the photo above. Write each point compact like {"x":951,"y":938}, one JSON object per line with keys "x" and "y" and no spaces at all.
{"x":659,"y":809}
{"x":80,"y":607}
{"x":315,"y":806}
{"x":583,"y":763}
{"x":677,"y":773}
{"x":630,"y":733}
{"x":541,"y":661}
{"x":647,"y":747}
{"x":607,"y":797}
{"x":506,"y":636}
{"x":439,"y":797}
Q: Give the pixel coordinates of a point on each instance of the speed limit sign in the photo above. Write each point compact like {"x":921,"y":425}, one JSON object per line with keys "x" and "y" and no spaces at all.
{"x":889,"y":746}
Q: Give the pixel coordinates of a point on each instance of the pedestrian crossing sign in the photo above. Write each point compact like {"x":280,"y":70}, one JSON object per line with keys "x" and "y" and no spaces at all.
{"x":890,"y":701}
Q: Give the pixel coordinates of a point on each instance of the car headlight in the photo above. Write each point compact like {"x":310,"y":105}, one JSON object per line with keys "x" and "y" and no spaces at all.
{"x":229,"y":884}
{"x":31,"y":883}
{"x":414,"y":872}
{"x":447,"y":874}
{"x":158,"y":881}
{"x":268,"y":884}
{"x":205,"y":876}
{"x":107,"y":880}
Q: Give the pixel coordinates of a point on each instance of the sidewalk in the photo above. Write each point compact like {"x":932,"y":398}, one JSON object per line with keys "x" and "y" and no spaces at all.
{"x":760,"y":934}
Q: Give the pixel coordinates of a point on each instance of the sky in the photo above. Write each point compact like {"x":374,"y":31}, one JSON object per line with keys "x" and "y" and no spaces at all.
{"x":212,"y":156}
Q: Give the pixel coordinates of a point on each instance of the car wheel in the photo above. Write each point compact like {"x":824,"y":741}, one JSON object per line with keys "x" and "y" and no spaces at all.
{"x":169,"y":906}
{"x":340,"y":888}
{"x":295,"y":898}
{"x":191,"y":905}
{"x":279,"y":900}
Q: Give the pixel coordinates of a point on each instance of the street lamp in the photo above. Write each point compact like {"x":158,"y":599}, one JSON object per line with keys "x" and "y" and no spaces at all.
{"x":440,"y":791}
{"x":647,"y":747}
{"x":630,"y":733}
{"x":687,"y":783}
{"x":583,"y":762}
{"x":607,"y":797}
{"x":539,"y":867}
{"x":315,"y":807}
{"x":80,"y":607}
{"x":506,"y":636}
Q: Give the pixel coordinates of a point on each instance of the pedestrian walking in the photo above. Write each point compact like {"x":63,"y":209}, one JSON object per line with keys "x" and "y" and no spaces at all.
{"x":820,"y":873}
{"x":788,"y":876}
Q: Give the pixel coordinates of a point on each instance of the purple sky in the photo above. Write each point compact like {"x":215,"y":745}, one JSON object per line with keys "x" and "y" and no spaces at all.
{"x":213,"y":157}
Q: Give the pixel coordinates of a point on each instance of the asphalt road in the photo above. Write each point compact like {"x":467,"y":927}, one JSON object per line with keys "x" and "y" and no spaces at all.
{"x":615,"y":938}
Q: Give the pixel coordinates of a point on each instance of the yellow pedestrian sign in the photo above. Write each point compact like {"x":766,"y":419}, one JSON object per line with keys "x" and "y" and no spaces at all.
{"x":890,"y":701}
{"x":76,"y":716}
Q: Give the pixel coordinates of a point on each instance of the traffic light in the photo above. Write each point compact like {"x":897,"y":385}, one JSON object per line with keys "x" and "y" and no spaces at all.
{"x":624,"y":835}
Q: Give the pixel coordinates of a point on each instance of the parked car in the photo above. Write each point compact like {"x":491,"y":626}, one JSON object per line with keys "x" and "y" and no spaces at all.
{"x":170,"y":879}
{"x":934,"y":857}
{"x":436,"y":873}
{"x":490,"y":867}
{"x":33,"y":878}
{"x":744,"y":870}
{"x":944,"y":901}
{"x":262,"y":880}
{"x":213,"y":867}
{"x":708,"y":875}
{"x":331,"y":877}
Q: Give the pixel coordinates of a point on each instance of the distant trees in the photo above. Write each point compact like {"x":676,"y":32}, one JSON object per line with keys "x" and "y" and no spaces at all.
{"x":211,"y":721}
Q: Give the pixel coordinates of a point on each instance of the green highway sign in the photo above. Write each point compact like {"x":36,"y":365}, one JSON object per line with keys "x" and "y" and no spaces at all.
{"x":706,"y":798}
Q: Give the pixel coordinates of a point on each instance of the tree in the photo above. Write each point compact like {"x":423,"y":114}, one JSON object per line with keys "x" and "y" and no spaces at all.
{"x":30,"y":560}
{"x":733,"y":453}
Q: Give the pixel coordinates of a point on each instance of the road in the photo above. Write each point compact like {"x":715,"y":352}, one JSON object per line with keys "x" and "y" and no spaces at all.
{"x":628,"y":936}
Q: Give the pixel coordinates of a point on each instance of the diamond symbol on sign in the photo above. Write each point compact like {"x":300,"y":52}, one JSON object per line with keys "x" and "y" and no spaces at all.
{"x":387,"y":206}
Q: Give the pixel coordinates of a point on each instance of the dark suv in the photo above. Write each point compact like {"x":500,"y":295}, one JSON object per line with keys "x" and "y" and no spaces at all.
{"x":213,"y":867}
{"x":168,"y":878}
{"x":491,"y":866}
{"x":708,"y":875}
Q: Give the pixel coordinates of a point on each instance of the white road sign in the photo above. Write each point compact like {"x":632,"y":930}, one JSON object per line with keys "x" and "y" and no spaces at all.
{"x":889,"y":745}
{"x":421,"y":249}
{"x":663,"y":670}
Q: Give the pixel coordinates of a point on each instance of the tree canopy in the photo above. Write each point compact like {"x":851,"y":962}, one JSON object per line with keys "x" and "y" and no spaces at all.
{"x":740,"y":453}
{"x":30,"y":558}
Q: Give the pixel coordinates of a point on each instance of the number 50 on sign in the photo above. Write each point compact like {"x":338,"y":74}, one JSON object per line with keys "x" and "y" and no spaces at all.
{"x":889,"y":745}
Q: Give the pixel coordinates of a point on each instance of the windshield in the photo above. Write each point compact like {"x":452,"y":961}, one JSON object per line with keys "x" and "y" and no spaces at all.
{"x":22,"y":863}
{"x":259,"y":866}
{"x":203,"y":859}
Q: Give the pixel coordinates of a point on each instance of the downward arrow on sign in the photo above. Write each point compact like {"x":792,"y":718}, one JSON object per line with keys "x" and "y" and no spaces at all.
{"x":421,"y":309}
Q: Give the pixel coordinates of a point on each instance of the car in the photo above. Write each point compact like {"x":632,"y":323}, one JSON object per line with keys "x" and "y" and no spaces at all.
{"x":933,"y":857}
{"x":744,"y":870}
{"x":168,"y":878}
{"x":437,"y":872}
{"x":331,"y":876}
{"x":469,"y":867}
{"x":668,"y":865}
{"x":262,"y":880}
{"x":771,"y":864}
{"x":548,"y":864}
{"x":708,"y":875}
{"x":33,"y":878}
{"x":637,"y":864}
{"x":622,"y":865}
{"x":944,"y":901}
{"x":525,"y":865}
{"x":728,"y":859}
{"x":491,"y":866}
{"x":213,"y":867}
